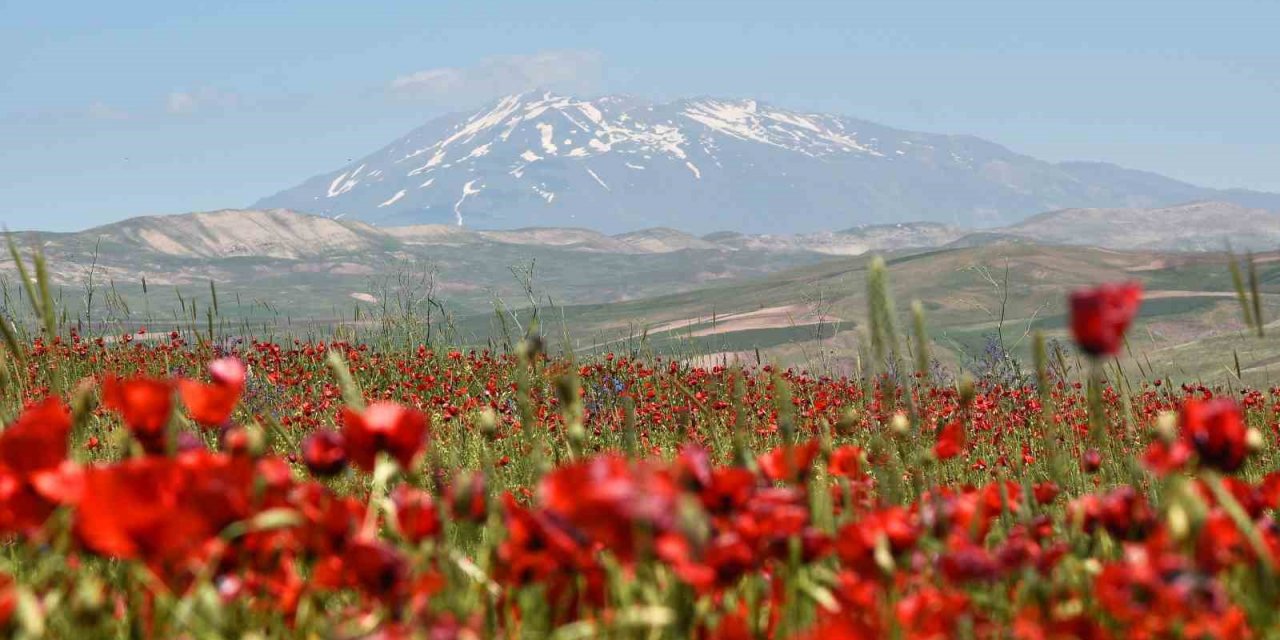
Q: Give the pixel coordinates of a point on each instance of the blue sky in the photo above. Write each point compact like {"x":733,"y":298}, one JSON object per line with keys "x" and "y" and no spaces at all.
{"x":112,"y":110}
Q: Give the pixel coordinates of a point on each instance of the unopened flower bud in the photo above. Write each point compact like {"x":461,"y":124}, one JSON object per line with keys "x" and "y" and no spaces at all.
{"x":1253,"y":440}
{"x":967,"y":389}
{"x":1179,"y":522}
{"x":847,"y":421}
{"x":900,"y":424}
{"x":1166,"y":427}
{"x":883,"y":556}
{"x":487,"y":422}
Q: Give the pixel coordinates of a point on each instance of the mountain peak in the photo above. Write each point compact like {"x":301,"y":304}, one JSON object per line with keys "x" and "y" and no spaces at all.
{"x":619,"y":163}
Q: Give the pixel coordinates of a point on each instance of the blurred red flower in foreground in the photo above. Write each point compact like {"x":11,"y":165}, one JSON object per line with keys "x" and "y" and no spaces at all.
{"x":950,"y":441}
{"x":34,"y":473}
{"x":324,"y":453}
{"x":1215,"y":429}
{"x":1100,"y":316}
{"x":383,"y":426}
{"x":145,"y":405}
{"x":211,"y":404}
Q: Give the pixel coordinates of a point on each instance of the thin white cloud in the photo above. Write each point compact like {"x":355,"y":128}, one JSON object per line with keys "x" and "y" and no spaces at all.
{"x":568,"y":71}
{"x":102,"y":111}
{"x":189,"y":102}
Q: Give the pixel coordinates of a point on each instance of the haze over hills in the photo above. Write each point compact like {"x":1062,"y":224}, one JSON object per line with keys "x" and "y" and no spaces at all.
{"x":618,"y":164}
{"x":1196,"y":226}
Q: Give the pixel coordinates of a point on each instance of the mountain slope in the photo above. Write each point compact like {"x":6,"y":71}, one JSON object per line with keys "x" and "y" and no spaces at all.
{"x":617,"y":164}
{"x":229,"y":233}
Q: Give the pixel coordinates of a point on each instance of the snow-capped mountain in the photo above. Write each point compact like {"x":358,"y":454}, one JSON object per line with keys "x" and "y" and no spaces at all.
{"x":617,"y":164}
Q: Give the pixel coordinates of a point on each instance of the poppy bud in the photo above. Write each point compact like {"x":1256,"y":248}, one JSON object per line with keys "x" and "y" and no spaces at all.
{"x":487,"y":422}
{"x":848,"y":420}
{"x":1167,"y":426}
{"x":967,"y":390}
{"x":1253,"y":440}
{"x":530,"y":348}
{"x":1179,"y":522}
{"x":900,"y":424}
{"x":882,"y":554}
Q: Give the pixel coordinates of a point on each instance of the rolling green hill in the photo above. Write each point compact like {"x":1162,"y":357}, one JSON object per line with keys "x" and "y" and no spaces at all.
{"x":974,"y":296}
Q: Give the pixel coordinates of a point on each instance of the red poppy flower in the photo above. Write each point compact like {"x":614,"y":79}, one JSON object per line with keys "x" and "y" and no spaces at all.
{"x":1216,"y":430}
{"x":132,"y":502}
{"x":1091,"y":461}
{"x":383,"y":426}
{"x":211,"y":404}
{"x":536,"y":547}
{"x":35,"y":475}
{"x":468,"y":497}
{"x":1101,"y":316}
{"x":610,"y":498}
{"x":37,"y":441}
{"x":145,"y":404}
{"x":950,"y":441}
{"x":417,"y":516}
{"x":846,"y":462}
{"x":324,"y":453}
{"x":377,"y":568}
{"x":789,"y":463}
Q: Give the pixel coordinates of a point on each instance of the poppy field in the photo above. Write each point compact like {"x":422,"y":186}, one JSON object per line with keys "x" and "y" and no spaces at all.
{"x":159,"y":485}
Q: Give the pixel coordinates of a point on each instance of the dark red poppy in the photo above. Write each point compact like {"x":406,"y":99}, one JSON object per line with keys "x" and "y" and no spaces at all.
{"x":324,"y":453}
{"x":536,"y":547}
{"x":1215,"y":429}
{"x":1101,"y":316}
{"x":1123,"y":513}
{"x":1091,"y":461}
{"x":145,"y":405}
{"x":377,"y":568}
{"x":211,"y":404}
{"x":383,"y":426}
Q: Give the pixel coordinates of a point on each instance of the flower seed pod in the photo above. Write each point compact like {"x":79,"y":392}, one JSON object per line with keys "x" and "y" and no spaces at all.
{"x":968,"y":390}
